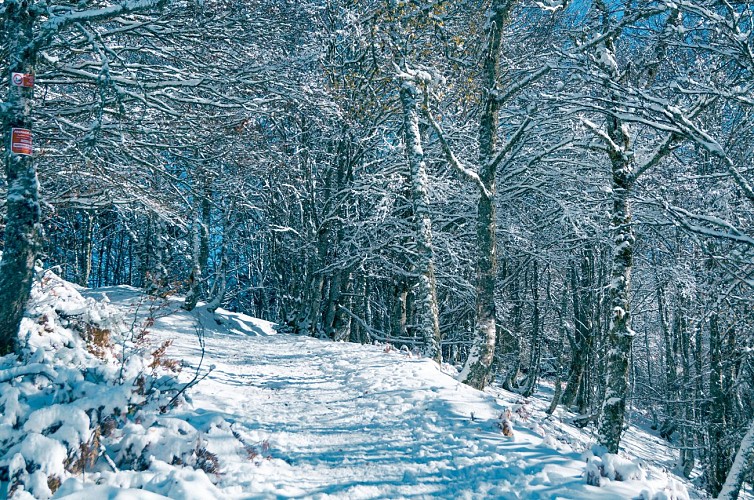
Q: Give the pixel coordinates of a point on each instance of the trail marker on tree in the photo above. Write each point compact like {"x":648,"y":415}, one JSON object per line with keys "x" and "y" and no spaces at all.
{"x":21,"y":141}
{"x":22,"y":79}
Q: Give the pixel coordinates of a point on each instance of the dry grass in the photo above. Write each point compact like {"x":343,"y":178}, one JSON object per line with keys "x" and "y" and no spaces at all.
{"x":159,"y":359}
{"x":98,"y":340}
{"x":206,"y":461}
{"x":53,"y":482}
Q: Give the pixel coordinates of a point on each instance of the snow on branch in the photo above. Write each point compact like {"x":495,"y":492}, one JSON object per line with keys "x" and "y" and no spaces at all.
{"x":524,"y":82}
{"x":726,"y":229}
{"x":517,"y":135}
{"x":612,"y":146}
{"x":56,"y":23}
{"x":31,"y":369}
{"x":190,"y":82}
{"x":418,"y":76}
{"x":666,"y":145}
{"x":537,"y":158}
{"x":707,"y":142}
{"x":600,"y":38}
{"x":451,"y":157}
{"x":659,"y":153}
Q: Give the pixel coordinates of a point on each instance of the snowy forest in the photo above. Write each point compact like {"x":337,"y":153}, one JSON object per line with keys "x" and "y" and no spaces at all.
{"x":554,"y":198}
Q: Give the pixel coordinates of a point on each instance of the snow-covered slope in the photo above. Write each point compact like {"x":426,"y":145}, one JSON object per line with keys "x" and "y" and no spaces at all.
{"x":279,"y":416}
{"x":321,"y":419}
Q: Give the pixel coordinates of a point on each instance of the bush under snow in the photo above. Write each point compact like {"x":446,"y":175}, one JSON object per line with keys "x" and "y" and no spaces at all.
{"x":89,"y":398}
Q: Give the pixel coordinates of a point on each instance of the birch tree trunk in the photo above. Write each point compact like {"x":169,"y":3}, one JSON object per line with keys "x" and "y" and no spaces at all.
{"x":23,"y":213}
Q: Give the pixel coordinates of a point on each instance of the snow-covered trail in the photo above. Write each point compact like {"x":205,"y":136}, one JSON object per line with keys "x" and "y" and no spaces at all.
{"x":359,"y":423}
{"x":338,"y":420}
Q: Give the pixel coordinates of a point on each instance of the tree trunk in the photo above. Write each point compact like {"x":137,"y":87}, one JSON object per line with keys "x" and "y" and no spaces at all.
{"x":195,"y":278}
{"x":333,"y":299}
{"x":85,"y":258}
{"x":535,"y":352}
{"x":681,"y":333}
{"x":220,"y":285}
{"x":398,"y":311}
{"x":561,"y":311}
{"x":428,"y":324}
{"x":718,"y":457}
{"x":155,"y":253}
{"x":620,"y":335}
{"x":343,"y":322}
{"x":200,"y":249}
{"x":477,"y":370}
{"x":23,"y":213}
{"x":742,"y":464}
{"x":511,"y":340}
{"x":582,"y":284}
{"x":671,"y":392}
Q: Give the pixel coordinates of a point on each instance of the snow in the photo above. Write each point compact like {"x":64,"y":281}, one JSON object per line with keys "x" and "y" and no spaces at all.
{"x":339,"y":420}
{"x":551,"y":5}
{"x":278,"y":415}
{"x":74,"y":423}
{"x":46,"y":453}
{"x":620,"y":469}
{"x":111,"y":493}
{"x":606,"y":60}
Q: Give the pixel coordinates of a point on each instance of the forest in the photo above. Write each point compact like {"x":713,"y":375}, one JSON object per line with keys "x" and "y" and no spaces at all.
{"x":532,"y":191}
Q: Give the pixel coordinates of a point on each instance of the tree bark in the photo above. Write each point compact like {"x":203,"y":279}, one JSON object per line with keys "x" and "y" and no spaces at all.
{"x":205,"y":224}
{"x":22,"y":230}
{"x":220,"y":285}
{"x":582,"y":284}
{"x":428,"y":324}
{"x":742,"y":464}
{"x":620,"y":334}
{"x":535,"y":350}
{"x":671,"y":391}
{"x":717,"y":428}
{"x":85,"y":259}
{"x":681,"y":333}
{"x":195,"y":277}
{"x":477,"y":369}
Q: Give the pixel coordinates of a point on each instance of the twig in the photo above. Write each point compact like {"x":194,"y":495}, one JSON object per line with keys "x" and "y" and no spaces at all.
{"x":199,"y":329}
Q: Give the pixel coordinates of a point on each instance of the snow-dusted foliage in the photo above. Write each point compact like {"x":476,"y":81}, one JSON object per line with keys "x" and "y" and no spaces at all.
{"x":90,"y":395}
